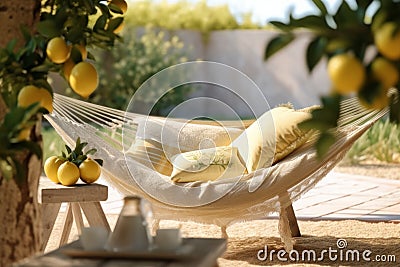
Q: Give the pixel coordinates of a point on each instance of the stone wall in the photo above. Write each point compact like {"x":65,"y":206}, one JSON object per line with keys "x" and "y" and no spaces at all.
{"x":283,"y":78}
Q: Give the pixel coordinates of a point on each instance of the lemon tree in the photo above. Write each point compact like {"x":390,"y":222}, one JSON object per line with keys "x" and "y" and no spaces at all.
{"x":58,"y":43}
{"x":361,"y":43}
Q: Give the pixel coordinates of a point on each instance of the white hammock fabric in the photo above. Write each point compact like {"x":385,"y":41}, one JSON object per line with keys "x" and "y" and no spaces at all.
{"x":254,"y":196}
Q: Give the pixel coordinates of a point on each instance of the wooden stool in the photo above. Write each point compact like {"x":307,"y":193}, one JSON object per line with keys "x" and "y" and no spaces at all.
{"x":79,"y":197}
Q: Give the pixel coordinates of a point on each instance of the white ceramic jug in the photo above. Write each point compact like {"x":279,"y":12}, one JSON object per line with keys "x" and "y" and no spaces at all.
{"x":131,"y":232}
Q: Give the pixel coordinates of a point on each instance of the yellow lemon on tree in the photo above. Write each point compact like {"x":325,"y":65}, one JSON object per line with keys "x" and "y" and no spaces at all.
{"x":57,"y":50}
{"x":387,"y":41}
{"x":385,"y":72}
{"x":68,"y":173}
{"x":51,"y":166}
{"x":121,"y":4}
{"x":31,"y":94}
{"x":67,"y":68}
{"x":90,"y":171}
{"x":347,"y":73}
{"x":84,"y":79}
{"x":380,"y":100}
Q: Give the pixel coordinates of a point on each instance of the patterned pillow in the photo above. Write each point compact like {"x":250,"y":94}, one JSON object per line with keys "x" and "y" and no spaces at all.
{"x":207,"y":165}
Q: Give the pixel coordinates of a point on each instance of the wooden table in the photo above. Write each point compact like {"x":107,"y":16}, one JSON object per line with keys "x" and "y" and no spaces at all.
{"x":79,"y":197}
{"x":204,"y":252}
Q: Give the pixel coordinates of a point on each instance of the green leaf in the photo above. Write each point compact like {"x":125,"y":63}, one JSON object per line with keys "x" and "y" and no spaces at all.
{"x":115,"y":8}
{"x":321,"y":6}
{"x":315,"y":124}
{"x":345,"y":16}
{"x":69,"y":150}
{"x":312,"y":22}
{"x":48,"y":28}
{"x":99,"y":161}
{"x":41,"y":68}
{"x":75,"y":34}
{"x":91,"y":151}
{"x":282,"y":26}
{"x":75,"y":55}
{"x":101,"y":23}
{"x":324,"y":143}
{"x":74,"y":155}
{"x":114,"y":23}
{"x":277,"y":43}
{"x":315,"y":51}
{"x":42,"y":83}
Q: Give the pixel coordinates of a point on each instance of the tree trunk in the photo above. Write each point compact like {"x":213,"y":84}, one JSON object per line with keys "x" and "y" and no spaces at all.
{"x":20,"y":231}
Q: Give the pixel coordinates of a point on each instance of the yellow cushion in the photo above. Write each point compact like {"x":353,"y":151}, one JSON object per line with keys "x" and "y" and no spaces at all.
{"x":207,"y":165}
{"x":272,"y":137}
{"x":151,"y":154}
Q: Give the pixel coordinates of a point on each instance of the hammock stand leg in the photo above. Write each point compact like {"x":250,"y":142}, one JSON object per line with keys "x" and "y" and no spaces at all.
{"x":287,"y":214}
{"x":294,"y":227}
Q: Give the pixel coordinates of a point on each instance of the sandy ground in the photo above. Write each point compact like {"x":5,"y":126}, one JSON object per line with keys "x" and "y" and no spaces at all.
{"x":374,"y":169}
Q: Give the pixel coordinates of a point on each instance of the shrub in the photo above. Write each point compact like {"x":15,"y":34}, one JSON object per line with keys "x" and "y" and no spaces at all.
{"x":186,"y":15}
{"x":132,"y":62}
{"x":381,"y":142}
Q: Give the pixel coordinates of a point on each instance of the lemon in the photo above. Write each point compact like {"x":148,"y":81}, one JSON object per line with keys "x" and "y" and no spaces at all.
{"x":31,"y":94}
{"x":380,"y":101}
{"x":67,"y":68}
{"x":385,"y":72}
{"x":347,"y":73}
{"x":83,"y":79}
{"x":51,"y":166}
{"x":68,"y":173}
{"x":57,"y":50}
{"x":387,"y":42}
{"x":90,"y":171}
{"x":121,"y":4}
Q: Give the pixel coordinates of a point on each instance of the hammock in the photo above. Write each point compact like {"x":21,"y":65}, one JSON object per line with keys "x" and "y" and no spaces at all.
{"x":253,"y":196}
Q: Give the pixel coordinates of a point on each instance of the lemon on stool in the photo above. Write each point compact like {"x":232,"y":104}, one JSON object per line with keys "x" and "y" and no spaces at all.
{"x":68,"y":173}
{"x":90,"y":171}
{"x":51,"y":166}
